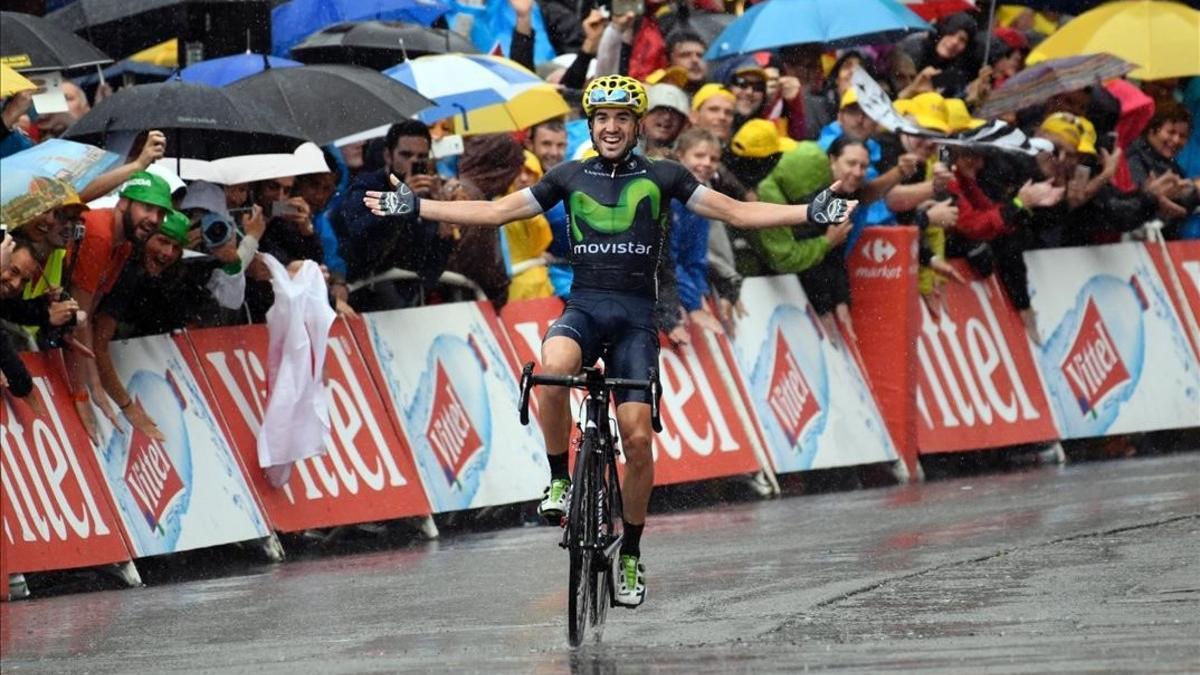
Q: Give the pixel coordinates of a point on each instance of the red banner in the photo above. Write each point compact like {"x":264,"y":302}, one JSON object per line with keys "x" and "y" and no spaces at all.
{"x":978,"y":382}
{"x":54,"y":503}
{"x":883,"y":285}
{"x":702,"y":436}
{"x":366,"y":475}
{"x":1180,"y":270}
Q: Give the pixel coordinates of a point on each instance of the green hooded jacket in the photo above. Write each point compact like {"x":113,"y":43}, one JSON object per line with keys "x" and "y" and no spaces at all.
{"x":800,"y":173}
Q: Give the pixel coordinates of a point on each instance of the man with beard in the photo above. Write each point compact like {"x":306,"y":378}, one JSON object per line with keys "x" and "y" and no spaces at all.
{"x":109,"y":240}
{"x":132,"y":294}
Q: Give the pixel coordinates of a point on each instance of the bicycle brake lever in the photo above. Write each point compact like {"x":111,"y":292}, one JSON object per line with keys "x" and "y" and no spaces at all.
{"x":523,"y":406}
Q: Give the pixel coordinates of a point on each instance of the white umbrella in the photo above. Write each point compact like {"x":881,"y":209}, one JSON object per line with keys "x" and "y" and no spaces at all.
{"x":307,"y":158}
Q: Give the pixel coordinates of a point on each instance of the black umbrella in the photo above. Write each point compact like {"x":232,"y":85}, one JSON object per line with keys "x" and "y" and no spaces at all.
{"x":378,"y":44}
{"x":29,"y":43}
{"x":330,"y":101}
{"x":200,"y":122}
{"x":122,"y":27}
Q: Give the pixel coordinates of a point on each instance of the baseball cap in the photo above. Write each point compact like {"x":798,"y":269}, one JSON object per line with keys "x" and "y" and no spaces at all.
{"x":668,"y":96}
{"x":675,"y":75}
{"x":927,"y":110}
{"x":848,"y":99}
{"x":1065,"y":126}
{"x":1087,"y":135}
{"x":44,"y":194}
{"x":708,"y":91}
{"x":216,"y":229}
{"x":759,"y":138}
{"x":206,"y":196}
{"x":959,"y":118}
{"x":148,"y":188}
{"x":175,"y":225}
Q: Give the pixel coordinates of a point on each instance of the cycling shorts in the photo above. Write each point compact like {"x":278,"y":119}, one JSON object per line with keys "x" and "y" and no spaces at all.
{"x":618,"y":327}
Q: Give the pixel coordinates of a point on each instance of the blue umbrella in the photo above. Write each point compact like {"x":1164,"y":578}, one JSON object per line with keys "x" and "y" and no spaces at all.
{"x":833,"y":23}
{"x":293,"y":21}
{"x":230,"y":69}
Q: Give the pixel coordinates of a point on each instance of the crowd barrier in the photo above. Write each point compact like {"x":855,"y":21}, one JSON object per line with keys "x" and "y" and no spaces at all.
{"x":422,"y":402}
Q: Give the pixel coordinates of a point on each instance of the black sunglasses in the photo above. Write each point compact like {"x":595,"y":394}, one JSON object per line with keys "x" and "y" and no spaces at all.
{"x":749,"y":83}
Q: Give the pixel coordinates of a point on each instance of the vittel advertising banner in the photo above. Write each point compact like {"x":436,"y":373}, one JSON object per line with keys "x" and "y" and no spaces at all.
{"x":55,"y":507}
{"x":453,"y":388}
{"x":186,"y":492}
{"x":813,"y":402}
{"x":978,"y":383}
{"x":367,"y":472}
{"x":1115,"y":357}
{"x":702,"y":436}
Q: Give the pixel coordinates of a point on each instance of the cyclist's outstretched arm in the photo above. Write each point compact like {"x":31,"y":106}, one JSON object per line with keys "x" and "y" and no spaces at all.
{"x":759,"y":215}
{"x":516,"y":206}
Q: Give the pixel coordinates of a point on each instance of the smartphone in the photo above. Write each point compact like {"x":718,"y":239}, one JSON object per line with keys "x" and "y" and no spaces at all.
{"x":623,"y":7}
{"x":944,"y":156}
{"x":283,"y":207}
{"x":1082,"y":174}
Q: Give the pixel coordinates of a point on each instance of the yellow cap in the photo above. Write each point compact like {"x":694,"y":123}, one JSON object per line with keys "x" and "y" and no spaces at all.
{"x":44,"y":194}
{"x":675,"y":75}
{"x":759,"y":138}
{"x":1065,"y":126}
{"x":848,"y":98}
{"x":708,"y":91}
{"x":959,"y":118}
{"x":928,"y":110}
{"x":1087,"y":135}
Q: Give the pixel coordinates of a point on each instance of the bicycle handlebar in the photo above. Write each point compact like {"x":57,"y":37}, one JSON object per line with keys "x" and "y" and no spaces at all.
{"x":591,"y":382}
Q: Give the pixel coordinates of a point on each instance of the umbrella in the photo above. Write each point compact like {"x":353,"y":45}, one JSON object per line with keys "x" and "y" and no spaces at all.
{"x":29,"y":43}
{"x":230,"y":69}
{"x":293,"y":21}
{"x":12,"y":82}
{"x":833,"y":23}
{"x":494,"y":93}
{"x":1163,"y":38}
{"x":307,"y":158}
{"x":378,"y":44}
{"x":200,"y":122}
{"x":126,"y":72}
{"x":1050,"y":78}
{"x":123,"y":27}
{"x":936,"y":9}
{"x":709,"y":25}
{"x":330,"y":101}
{"x":74,"y":163}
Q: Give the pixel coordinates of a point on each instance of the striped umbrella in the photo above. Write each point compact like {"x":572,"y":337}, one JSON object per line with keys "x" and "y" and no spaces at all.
{"x":1038,"y":83}
{"x":931,"y":10}
{"x":493,"y":94}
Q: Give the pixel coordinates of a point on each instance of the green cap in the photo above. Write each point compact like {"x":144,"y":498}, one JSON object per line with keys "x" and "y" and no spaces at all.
{"x":175,"y":226}
{"x":148,"y":188}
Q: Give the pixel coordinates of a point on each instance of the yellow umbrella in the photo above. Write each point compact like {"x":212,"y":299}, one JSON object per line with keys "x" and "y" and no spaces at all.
{"x":12,"y":82}
{"x":536,"y":104}
{"x":165,"y":54}
{"x":1162,"y":38}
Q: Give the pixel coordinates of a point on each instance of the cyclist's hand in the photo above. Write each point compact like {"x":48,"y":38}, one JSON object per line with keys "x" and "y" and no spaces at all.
{"x":828,"y":208}
{"x":400,"y":202}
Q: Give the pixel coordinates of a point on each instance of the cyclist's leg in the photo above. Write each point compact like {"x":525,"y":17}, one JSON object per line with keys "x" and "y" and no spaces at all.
{"x":561,"y":355}
{"x":633,"y":421}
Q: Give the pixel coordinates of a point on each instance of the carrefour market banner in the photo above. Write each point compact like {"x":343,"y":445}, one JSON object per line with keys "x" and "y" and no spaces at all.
{"x":55,"y":508}
{"x":186,"y":492}
{"x":706,"y":428}
{"x":453,"y":388}
{"x":1115,"y":356}
{"x":367,"y":472}
{"x":814,"y":405}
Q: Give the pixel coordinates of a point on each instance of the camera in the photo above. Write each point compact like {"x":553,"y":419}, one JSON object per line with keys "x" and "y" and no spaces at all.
{"x":54,"y":336}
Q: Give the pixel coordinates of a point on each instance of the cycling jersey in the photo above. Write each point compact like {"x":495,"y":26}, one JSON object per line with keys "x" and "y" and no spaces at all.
{"x":617,"y":217}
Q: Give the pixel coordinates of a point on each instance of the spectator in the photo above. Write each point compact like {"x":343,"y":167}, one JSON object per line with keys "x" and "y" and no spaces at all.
{"x":685,"y":49}
{"x":318,"y":191}
{"x":526,"y":241}
{"x":1154,"y":154}
{"x":371,"y":245}
{"x":221,"y":274}
{"x":488,"y":166}
{"x":712,"y":110}
{"x":699,"y":152}
{"x":947,"y":56}
{"x":49,"y":233}
{"x":54,"y":124}
{"x":1009,"y":58}
{"x":853,"y":123}
{"x":548,"y":142}
{"x":666,"y":117}
{"x":776,"y":98}
{"x":131,"y":300}
{"x":748,"y":84}
{"x":290,"y":235}
{"x":755,"y":150}
{"x":803,"y":63}
{"x":13,"y":138}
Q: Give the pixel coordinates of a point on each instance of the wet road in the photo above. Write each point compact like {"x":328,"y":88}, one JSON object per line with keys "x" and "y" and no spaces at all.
{"x":1080,"y":568}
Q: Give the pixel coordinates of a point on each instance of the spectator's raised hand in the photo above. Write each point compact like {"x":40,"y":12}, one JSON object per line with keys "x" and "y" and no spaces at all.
{"x":1040,"y":195}
{"x":943,"y":213}
{"x":908,"y":163}
{"x":941,"y":266}
{"x":593,"y":27}
{"x":524,"y":12}
{"x":153,"y":149}
{"x":142,"y":422}
{"x":1110,"y":161}
{"x":705,"y":320}
{"x":7,"y":244}
{"x":942,"y":175}
{"x":62,"y":311}
{"x":790,"y":87}
{"x":299,"y":215}
{"x":836,"y":234}
{"x":254,"y":223}
{"x":15,"y":107}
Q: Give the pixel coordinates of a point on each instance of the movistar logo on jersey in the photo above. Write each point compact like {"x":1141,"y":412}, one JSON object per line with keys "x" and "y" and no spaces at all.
{"x":617,"y":248}
{"x":617,"y":218}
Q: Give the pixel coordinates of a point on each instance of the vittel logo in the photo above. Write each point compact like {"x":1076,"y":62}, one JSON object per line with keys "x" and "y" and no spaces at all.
{"x":790,"y":397}
{"x":450,"y":432}
{"x":151,"y":477}
{"x":1092,"y":366}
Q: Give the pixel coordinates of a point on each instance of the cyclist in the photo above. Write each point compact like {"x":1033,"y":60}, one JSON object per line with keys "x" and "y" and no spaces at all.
{"x":618,"y":210}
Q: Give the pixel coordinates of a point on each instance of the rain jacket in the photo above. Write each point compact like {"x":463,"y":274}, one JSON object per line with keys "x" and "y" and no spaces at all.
{"x":788,"y":249}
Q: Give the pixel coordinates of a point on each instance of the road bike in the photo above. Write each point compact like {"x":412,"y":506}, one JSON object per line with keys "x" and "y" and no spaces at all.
{"x":589,"y":527}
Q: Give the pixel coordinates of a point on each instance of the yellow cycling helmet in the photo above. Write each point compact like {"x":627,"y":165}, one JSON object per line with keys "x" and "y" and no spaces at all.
{"x":614,"y":91}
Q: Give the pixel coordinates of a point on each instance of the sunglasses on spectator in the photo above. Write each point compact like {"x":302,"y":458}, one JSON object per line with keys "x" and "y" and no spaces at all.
{"x":749,"y":83}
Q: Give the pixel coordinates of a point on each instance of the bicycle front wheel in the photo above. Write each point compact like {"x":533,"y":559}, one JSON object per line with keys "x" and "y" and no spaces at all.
{"x":582,"y":535}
